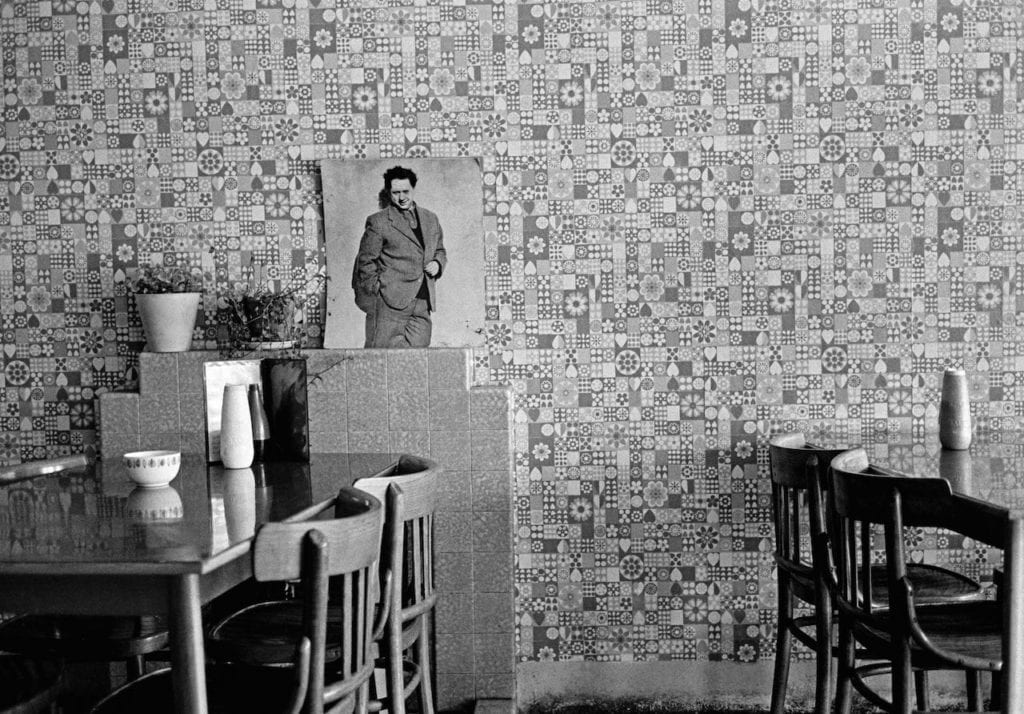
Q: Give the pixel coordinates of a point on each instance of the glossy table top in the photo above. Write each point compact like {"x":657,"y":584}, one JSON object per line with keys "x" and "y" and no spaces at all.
{"x":992,"y":469}
{"x":95,"y":515}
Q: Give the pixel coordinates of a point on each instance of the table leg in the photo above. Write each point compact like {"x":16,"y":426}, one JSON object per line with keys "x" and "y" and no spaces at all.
{"x":1013,"y":619}
{"x":188,"y":671}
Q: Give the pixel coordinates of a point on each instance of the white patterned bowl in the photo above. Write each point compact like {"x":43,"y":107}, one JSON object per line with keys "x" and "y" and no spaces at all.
{"x":152,"y":469}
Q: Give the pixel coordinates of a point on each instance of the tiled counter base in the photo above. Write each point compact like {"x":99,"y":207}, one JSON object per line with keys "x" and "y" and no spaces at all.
{"x":413,"y":401}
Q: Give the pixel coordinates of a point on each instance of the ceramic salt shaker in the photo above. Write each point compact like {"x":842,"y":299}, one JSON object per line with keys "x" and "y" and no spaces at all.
{"x":236,"y":450}
{"x":954,"y":411}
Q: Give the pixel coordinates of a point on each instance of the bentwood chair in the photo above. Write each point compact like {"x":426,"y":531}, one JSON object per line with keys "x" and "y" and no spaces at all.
{"x":407,"y":562}
{"x":340,"y":553}
{"x":798,"y":471}
{"x":89,"y":638}
{"x":805,"y":573}
{"x":909,"y":634}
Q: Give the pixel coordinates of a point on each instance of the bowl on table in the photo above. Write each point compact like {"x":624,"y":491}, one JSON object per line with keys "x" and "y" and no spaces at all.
{"x":152,"y":469}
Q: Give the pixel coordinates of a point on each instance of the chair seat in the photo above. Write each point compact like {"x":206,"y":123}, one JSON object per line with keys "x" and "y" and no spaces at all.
{"x":84,"y":637}
{"x":932,"y":584}
{"x":972,"y":629}
{"x":264,"y":634}
{"x":27,"y":685}
{"x":231,"y":689}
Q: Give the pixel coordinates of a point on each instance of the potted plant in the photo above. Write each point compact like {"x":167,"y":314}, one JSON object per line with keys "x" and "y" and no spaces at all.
{"x":268,"y":318}
{"x":167,"y":297}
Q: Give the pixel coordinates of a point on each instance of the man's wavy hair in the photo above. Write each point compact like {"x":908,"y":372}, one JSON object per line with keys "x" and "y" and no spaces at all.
{"x":395,"y":172}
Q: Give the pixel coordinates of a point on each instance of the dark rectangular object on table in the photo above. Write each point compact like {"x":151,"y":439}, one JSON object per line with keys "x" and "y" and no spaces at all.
{"x":286,"y":401}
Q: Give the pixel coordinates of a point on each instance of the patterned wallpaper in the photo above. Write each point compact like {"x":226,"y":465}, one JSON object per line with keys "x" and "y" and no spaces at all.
{"x":704,"y":220}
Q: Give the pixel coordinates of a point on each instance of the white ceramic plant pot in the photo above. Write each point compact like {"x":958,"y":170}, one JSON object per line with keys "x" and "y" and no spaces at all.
{"x":168,"y":319}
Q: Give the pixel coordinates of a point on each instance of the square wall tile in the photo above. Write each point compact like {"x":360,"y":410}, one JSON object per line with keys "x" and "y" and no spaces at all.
{"x":410,"y":442}
{"x":455,"y":692}
{"x":492,"y":490}
{"x":327,"y":370}
{"x":191,"y":371}
{"x":455,"y":493}
{"x":493,"y":572}
{"x":451,"y":449}
{"x":114,"y":445}
{"x":158,"y":372}
{"x":448,"y":368}
{"x":328,"y":441}
{"x":367,"y":372}
{"x":170,"y":441}
{"x":453,"y":532}
{"x":408,"y":409}
{"x":495,"y":687}
{"x":455,"y":653}
{"x":192,"y":411}
{"x":328,"y":411}
{"x":449,"y":409}
{"x":367,"y":412}
{"x":158,"y":412}
{"x":455,"y":613}
{"x":373,"y":441}
{"x":489,"y":407}
{"x":407,"y":369}
{"x":491,"y":450}
{"x":493,"y":652}
{"x":453,"y":572}
{"x":118,"y":413}
{"x":492,"y":612}
{"x":193,"y":442}
{"x":491,"y":532}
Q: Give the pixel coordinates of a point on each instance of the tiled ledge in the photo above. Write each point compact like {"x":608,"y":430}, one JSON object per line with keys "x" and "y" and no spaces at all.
{"x":415,"y":401}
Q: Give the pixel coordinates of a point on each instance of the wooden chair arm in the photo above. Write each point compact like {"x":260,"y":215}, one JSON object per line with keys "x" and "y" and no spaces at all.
{"x":905,"y":591}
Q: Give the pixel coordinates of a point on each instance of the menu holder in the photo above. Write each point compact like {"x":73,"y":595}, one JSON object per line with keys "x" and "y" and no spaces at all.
{"x":286,"y":401}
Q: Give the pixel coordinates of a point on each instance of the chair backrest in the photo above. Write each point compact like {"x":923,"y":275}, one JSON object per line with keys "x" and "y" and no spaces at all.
{"x":342,"y":552}
{"x":31,"y":469}
{"x":863,"y":495}
{"x":408,"y":544}
{"x":799,"y":478}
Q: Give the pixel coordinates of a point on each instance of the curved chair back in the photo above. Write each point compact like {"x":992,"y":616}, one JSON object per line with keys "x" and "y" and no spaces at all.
{"x":799,"y":480}
{"x":408,"y":544}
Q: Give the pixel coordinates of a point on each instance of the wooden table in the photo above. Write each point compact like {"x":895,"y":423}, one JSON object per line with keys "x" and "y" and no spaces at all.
{"x":992,"y":469}
{"x":72,"y":548}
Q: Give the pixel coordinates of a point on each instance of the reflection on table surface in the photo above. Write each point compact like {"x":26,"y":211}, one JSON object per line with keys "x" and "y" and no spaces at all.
{"x":96,"y":514}
{"x":992,"y":468}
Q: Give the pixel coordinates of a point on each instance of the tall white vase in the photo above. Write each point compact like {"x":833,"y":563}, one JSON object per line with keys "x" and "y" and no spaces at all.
{"x":236,"y":450}
{"x":955,"y":411}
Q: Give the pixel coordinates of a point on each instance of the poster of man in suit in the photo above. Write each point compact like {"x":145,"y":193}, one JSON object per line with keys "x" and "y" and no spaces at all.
{"x":405,"y":253}
{"x":401,"y":257}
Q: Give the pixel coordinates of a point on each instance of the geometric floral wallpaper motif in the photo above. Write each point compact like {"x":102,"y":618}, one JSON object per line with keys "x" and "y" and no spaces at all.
{"x":704,"y":222}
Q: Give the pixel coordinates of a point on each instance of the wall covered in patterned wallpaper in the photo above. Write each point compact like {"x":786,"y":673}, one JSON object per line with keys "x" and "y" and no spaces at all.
{"x":705,"y":220}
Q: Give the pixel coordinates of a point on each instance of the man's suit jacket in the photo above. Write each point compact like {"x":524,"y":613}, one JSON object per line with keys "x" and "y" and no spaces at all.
{"x":391,"y":260}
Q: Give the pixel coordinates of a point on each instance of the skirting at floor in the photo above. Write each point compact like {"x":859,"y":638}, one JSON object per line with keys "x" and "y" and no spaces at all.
{"x":598,"y":687}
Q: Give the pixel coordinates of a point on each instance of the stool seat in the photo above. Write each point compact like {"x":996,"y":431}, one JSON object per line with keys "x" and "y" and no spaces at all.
{"x":264,"y":633}
{"x":28,"y":685}
{"x":84,"y":637}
